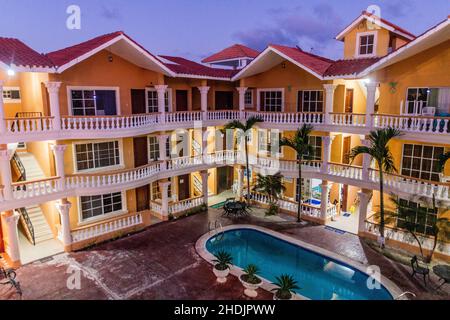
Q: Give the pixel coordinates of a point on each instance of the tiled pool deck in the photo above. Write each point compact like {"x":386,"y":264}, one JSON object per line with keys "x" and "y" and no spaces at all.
{"x":161,"y":263}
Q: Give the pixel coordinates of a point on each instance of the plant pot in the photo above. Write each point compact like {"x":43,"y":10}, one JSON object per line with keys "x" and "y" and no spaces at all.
{"x":276,"y":298}
{"x":221,"y":274}
{"x":250,"y":288}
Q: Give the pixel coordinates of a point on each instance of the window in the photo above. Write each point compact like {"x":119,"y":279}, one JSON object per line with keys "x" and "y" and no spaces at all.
{"x":97,"y":155}
{"x":417,"y":217}
{"x":421,"y":161}
{"x":418,"y":98}
{"x":269,"y":141}
{"x":11,"y":94}
{"x":153,"y":148}
{"x":271,"y":101}
{"x":94,"y":206}
{"x":310,"y":101}
{"x":93,"y":102}
{"x":366,"y":44}
{"x":248,"y":98}
{"x":316,"y":143}
{"x":152,"y":100}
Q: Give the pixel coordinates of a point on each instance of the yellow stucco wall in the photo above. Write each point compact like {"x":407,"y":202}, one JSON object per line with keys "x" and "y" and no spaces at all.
{"x":350,"y":40}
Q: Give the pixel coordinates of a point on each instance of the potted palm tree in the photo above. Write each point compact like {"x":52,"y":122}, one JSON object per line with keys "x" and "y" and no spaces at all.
{"x":245,"y":129}
{"x":379,"y":151}
{"x":272,"y":187}
{"x":222,"y":265}
{"x":300,"y":144}
{"x":285,"y":284}
{"x":250,"y":280}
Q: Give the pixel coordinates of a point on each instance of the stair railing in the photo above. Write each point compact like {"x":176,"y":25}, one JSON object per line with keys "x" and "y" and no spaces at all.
{"x":20,"y":167}
{"x":28,"y":225}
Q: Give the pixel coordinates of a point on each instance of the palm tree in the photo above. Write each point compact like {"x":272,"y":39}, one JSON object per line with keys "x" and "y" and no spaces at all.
{"x":380,"y":152}
{"x":300,"y":144}
{"x":246,"y":128}
{"x":442,"y":160}
{"x":272,"y":186}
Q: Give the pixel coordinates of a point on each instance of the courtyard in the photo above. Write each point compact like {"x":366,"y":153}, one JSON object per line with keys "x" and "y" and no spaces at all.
{"x":161,"y":263}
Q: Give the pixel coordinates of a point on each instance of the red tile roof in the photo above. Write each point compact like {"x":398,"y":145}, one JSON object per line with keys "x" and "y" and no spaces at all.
{"x":313,"y":62}
{"x":188,"y":67}
{"x":349,"y":67}
{"x":393,"y":25}
{"x":15,"y":52}
{"x":233,"y":52}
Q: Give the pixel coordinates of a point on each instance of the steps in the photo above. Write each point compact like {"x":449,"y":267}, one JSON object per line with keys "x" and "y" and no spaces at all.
{"x":42,"y":231}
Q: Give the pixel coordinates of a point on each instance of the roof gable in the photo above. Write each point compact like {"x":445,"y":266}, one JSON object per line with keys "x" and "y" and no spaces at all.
{"x":234,"y":52}
{"x":188,"y":68}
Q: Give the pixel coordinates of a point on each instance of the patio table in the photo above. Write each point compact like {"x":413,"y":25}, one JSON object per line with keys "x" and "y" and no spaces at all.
{"x":443,"y":272}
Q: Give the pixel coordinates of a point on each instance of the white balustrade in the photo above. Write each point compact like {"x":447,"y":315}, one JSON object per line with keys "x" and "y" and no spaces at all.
{"x":108,"y":122}
{"x":419,"y":124}
{"x":185,"y":205}
{"x":223,"y":115}
{"x":184,"y":116}
{"x":348,"y":119}
{"x":28,"y":125}
{"x":106,"y":227}
{"x":30,"y":189}
{"x":288,"y":117}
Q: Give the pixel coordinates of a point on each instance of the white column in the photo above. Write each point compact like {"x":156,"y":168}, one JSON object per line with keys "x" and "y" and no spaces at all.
{"x":242,"y":91}
{"x":324,"y":200}
{"x":9,"y":222}
{"x":205,"y":134}
{"x":327,"y":140}
{"x":2,"y":111}
{"x":329,"y":100}
{"x":366,"y":161}
{"x":5,"y":171}
{"x":65,"y":236}
{"x":204,"y":101}
{"x":240,"y":182}
{"x":205,"y":175}
{"x":53,"y":95}
{"x":162,"y":142}
{"x":370,"y":101}
{"x":161,"y":91}
{"x":364,"y":208}
{"x":58,"y":150}
{"x":164,"y":187}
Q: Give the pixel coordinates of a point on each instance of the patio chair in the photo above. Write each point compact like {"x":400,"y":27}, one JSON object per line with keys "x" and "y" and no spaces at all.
{"x":416,"y":268}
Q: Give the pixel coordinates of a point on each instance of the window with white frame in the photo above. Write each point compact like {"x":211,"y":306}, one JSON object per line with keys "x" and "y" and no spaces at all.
{"x":93,"y":102}
{"x":269,"y":141}
{"x":316,"y":143}
{"x":416,"y":217}
{"x":153,"y":148}
{"x":11,"y":94}
{"x":152,"y":100}
{"x":421,"y":161}
{"x":310,"y":101}
{"x":248,"y":98}
{"x":97,"y":155}
{"x":271,"y":100}
{"x":95,"y":206}
{"x":419,"y":98}
{"x":366,"y":44}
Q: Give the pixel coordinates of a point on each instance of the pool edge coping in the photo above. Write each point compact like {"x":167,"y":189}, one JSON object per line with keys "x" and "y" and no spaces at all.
{"x":200,"y":247}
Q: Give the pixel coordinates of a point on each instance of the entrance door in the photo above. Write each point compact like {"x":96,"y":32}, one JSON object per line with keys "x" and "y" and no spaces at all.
{"x":346,"y":150}
{"x":184,"y":190}
{"x":224,"y":100}
{"x":224,"y":178}
{"x":138,"y":104}
{"x":182,"y":100}
{"x":348,"y":101}
{"x":140,"y":145}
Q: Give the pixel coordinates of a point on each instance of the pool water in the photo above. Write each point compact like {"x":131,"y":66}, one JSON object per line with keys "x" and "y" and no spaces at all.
{"x":319,"y":277}
{"x":313,"y":202}
{"x":218,"y":205}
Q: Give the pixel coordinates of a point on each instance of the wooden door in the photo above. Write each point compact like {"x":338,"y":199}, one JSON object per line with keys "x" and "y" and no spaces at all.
{"x":138,"y":104}
{"x":140,"y":146}
{"x":224,"y":100}
{"x":181,"y":100}
{"x":184,"y":189}
{"x":348,"y":101}
{"x":346,"y":150}
{"x":224,"y":179}
{"x":143,"y":198}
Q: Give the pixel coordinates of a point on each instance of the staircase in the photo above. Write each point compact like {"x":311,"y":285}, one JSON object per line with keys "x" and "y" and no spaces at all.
{"x":39,"y":230}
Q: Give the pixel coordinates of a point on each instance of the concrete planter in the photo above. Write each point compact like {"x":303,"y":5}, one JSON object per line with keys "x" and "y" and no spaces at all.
{"x":250,"y":288}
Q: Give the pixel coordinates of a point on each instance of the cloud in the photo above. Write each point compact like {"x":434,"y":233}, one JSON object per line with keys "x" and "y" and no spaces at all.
{"x":309,"y":28}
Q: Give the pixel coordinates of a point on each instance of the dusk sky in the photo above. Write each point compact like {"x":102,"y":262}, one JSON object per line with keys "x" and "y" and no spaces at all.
{"x":197,"y":28}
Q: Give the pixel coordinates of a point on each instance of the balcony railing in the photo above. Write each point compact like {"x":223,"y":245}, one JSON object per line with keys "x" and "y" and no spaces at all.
{"x":289,"y":117}
{"x":348,"y":119}
{"x":416,"y":124}
{"x":102,"y":123}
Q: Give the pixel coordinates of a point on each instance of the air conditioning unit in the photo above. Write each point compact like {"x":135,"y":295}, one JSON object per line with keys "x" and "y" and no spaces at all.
{"x":428,"y":111}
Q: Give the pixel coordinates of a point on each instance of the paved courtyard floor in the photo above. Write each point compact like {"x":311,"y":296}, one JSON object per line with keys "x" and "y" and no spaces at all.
{"x":161,"y":263}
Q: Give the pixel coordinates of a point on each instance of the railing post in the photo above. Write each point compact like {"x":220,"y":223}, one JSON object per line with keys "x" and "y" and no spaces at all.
{"x":329,"y":100}
{"x":58,"y":150}
{"x":161,"y":92}
{"x":366,"y":161}
{"x":11,"y":236}
{"x":204,"y":101}
{"x":241,"y":91}
{"x":5,"y":171}
{"x":370,"y":102}
{"x":325,"y":188}
{"x":53,"y":95}
{"x":2,"y":111}
{"x":164,"y":187}
{"x":63,"y":208}
{"x":205,"y":194}
{"x":364,"y":200}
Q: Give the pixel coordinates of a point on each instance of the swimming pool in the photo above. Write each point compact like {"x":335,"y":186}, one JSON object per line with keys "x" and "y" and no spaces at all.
{"x":319,"y":277}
